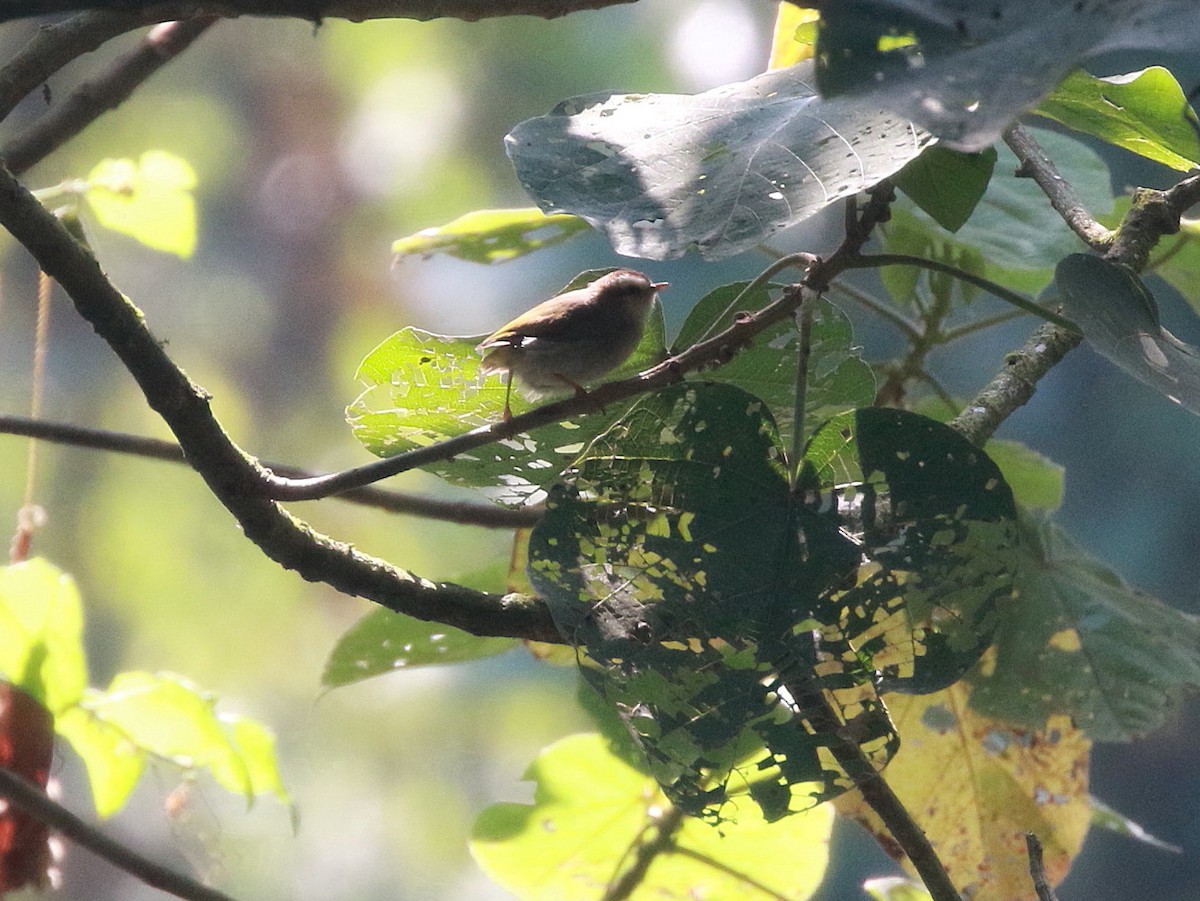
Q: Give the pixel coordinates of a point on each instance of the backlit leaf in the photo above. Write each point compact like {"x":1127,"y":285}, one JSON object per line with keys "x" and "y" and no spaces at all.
{"x":150,"y":200}
{"x":491,"y":236}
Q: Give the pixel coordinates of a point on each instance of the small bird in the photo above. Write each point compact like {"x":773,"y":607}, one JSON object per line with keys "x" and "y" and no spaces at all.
{"x":574,"y":337}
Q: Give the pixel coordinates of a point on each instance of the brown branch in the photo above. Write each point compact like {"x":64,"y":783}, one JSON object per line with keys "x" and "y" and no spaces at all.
{"x":465,"y":513}
{"x":24,"y":794}
{"x":151,"y":11}
{"x":1037,"y":869}
{"x":1033,"y":163}
{"x":52,"y":48}
{"x":666,"y":826}
{"x":105,"y":92}
{"x":234,"y":478}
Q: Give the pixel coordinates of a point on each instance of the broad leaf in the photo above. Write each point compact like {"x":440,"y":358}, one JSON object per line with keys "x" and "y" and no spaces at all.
{"x":977,"y":786}
{"x":838,"y":378}
{"x":734,"y":618}
{"x":420,"y":388}
{"x":383,"y":642}
{"x":1119,"y":317}
{"x":795,"y":36}
{"x":965,"y":71}
{"x":717,"y":172}
{"x":591,"y":809}
{"x":491,"y":236}
{"x":1036,"y":480}
{"x":150,"y":200}
{"x":947,"y":184}
{"x":166,"y":717}
{"x":1080,"y":642}
{"x":41,"y":634}
{"x":1145,"y":112}
{"x":113,"y":763}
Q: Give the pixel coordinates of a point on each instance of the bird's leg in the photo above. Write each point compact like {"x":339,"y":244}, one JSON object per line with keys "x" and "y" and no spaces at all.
{"x":579,"y":390}
{"x":507,"y":394}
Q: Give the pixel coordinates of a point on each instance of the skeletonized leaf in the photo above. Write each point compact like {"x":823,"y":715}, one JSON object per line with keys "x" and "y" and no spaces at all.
{"x":717,"y":172}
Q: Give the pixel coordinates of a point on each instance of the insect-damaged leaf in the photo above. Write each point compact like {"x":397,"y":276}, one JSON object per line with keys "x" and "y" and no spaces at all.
{"x":739,"y":622}
{"x":717,"y":172}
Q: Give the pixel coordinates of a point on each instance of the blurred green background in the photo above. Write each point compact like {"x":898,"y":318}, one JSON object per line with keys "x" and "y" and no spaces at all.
{"x":315,"y":148}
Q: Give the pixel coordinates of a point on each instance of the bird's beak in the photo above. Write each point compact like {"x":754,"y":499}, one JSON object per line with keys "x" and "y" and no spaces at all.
{"x":659,"y":286}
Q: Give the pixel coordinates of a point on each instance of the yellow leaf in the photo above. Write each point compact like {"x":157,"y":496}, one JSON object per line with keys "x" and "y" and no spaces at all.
{"x":795,"y":36}
{"x":976,"y":786}
{"x":150,"y":200}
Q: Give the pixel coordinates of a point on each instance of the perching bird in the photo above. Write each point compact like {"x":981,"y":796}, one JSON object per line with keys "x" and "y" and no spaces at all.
{"x":574,"y":337}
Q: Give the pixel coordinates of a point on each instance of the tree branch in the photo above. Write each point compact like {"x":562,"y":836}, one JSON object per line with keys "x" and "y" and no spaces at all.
{"x":24,"y":794}
{"x":234,"y":478}
{"x":52,"y":48}
{"x":1037,"y":869}
{"x":95,"y":97}
{"x":466,"y":513}
{"x":151,"y":11}
{"x":1033,"y":163}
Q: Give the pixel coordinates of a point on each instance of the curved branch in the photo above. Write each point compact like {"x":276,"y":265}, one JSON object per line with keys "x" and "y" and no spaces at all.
{"x":53,"y":47}
{"x":24,"y":794}
{"x":467,"y":513}
{"x":93,"y":98}
{"x":234,"y":478}
{"x":151,"y":11}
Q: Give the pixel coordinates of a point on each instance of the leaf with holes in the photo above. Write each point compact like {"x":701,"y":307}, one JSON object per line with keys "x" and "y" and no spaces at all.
{"x":965,"y":71}
{"x":717,"y":172}
{"x":839,"y":379}
{"x":738,"y":622}
{"x":421,"y":388}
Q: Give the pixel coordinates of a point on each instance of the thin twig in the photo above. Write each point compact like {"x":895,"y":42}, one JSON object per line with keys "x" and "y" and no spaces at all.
{"x":1037,"y":869}
{"x":1033,"y":163}
{"x":911,"y":329}
{"x":234,"y":478}
{"x":978,"y":325}
{"x":107,"y":91}
{"x":465,"y":513}
{"x":870,"y":261}
{"x":52,"y":48}
{"x":24,"y":794}
{"x":665,"y":827}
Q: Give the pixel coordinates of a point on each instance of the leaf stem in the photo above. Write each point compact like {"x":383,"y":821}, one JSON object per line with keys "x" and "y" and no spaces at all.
{"x":870,"y":261}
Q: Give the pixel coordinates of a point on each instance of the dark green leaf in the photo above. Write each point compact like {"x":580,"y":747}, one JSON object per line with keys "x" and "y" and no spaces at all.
{"x":1119,"y":317}
{"x":838,"y":378}
{"x":1079,"y":641}
{"x":734,"y":618}
{"x":1145,"y":112}
{"x":383,"y":642}
{"x":965,"y":71}
{"x":947,"y":184}
{"x":717,"y":172}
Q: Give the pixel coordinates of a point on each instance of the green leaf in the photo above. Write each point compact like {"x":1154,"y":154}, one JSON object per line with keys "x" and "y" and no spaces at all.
{"x":492,"y":236}
{"x":838,"y":378}
{"x":1079,"y":641}
{"x":717,"y":172}
{"x":421,"y":388}
{"x":41,"y":634}
{"x":590,"y":809}
{"x":1118,"y":315}
{"x":1036,"y":480}
{"x":1144,"y":111}
{"x":965,"y":71}
{"x":150,"y":200}
{"x":947,"y":184}
{"x":1014,"y":232}
{"x":383,"y":641}
{"x":680,"y":558}
{"x":166,"y":717}
{"x":113,"y":763}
